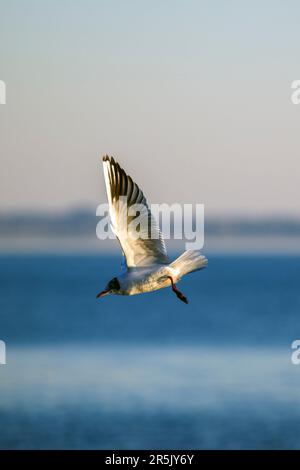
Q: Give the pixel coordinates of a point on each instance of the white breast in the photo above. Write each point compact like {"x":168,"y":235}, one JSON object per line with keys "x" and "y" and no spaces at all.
{"x":137,"y":281}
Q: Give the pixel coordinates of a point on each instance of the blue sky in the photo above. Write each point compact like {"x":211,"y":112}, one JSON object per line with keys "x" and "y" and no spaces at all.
{"x":192,"y":97}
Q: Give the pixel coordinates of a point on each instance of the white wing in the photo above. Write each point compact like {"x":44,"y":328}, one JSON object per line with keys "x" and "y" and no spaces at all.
{"x":149,"y":248}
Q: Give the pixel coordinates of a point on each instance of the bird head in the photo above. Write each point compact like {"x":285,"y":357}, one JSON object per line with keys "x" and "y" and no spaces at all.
{"x":112,"y":288}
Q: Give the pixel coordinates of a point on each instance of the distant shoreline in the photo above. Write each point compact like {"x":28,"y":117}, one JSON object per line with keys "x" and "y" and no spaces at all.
{"x":226,"y":244}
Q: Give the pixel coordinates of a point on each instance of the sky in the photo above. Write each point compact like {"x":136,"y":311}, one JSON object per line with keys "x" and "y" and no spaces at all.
{"x":193,"y":98}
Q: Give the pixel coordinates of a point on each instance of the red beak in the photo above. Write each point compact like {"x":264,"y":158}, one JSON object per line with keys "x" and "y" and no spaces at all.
{"x":102,"y":293}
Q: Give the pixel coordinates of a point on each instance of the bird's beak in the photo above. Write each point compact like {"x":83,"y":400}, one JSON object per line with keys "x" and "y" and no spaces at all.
{"x":103,"y":293}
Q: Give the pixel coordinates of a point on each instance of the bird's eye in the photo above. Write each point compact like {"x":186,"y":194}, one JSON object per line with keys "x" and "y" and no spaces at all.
{"x":114,"y":284}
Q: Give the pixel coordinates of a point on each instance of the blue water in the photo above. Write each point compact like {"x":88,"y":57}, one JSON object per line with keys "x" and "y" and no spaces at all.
{"x":149,"y":371}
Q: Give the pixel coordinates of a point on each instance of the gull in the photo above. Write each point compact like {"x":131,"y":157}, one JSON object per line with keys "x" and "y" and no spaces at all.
{"x":145,"y":266}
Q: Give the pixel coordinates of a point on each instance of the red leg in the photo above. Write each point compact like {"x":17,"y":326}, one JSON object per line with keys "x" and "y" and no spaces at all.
{"x":177,"y":292}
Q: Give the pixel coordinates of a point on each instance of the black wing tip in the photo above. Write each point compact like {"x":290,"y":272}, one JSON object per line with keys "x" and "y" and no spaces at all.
{"x":107,"y":158}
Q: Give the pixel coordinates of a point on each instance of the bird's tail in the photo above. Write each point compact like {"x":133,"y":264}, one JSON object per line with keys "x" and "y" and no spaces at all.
{"x":189,"y":261}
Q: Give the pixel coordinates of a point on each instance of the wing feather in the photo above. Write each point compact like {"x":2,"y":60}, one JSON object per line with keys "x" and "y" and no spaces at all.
{"x":144,"y":250}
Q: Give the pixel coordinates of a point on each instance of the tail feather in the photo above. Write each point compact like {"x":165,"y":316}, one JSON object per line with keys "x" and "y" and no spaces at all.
{"x":189,"y":261}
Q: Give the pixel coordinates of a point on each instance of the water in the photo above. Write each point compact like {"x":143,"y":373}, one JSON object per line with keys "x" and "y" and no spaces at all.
{"x":149,"y":371}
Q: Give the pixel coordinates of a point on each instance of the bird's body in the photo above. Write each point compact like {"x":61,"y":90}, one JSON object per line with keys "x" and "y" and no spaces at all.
{"x":139,"y":280}
{"x":146,"y":265}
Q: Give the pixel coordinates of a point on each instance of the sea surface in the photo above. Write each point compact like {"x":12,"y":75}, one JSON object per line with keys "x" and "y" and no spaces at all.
{"x":149,"y":371}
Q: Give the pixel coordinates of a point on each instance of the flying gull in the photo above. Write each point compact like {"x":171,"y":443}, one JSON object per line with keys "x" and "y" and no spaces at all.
{"x":146,"y":266}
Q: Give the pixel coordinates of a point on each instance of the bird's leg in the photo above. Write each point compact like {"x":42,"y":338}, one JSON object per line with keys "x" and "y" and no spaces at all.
{"x":177,"y":292}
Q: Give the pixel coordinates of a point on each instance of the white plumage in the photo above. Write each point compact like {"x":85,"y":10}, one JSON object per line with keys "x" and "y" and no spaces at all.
{"x":145,"y":256}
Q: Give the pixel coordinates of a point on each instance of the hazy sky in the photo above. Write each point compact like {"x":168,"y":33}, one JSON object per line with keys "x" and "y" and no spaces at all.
{"x":192,"y":97}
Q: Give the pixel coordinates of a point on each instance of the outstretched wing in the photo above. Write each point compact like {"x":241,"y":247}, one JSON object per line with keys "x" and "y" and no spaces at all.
{"x":148,"y":247}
